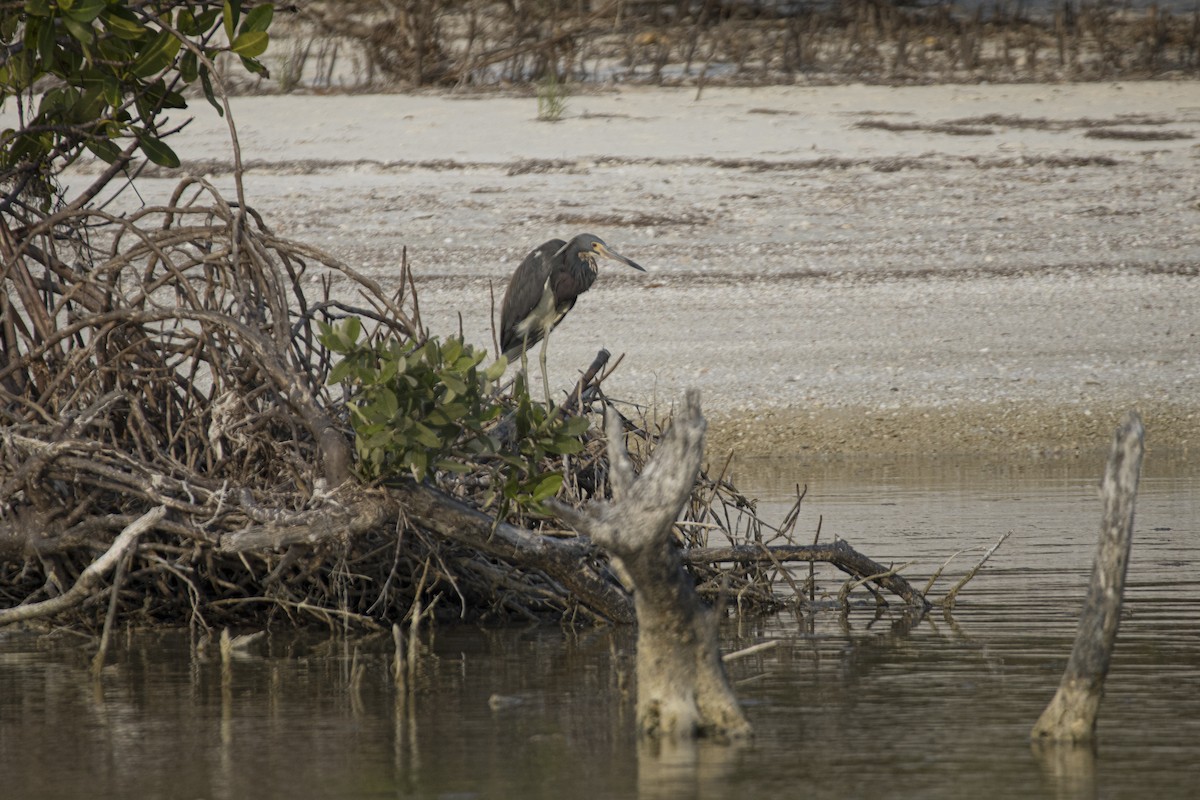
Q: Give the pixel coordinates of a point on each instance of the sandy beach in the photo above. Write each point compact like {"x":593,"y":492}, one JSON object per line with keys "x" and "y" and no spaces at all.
{"x":854,"y":269}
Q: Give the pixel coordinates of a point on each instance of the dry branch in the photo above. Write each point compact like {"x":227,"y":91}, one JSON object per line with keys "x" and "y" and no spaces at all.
{"x":840,"y":554}
{"x":91,"y":577}
{"x":566,"y":561}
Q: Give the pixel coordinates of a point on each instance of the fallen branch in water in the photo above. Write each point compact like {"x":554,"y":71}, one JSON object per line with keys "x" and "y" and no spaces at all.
{"x":839,"y":554}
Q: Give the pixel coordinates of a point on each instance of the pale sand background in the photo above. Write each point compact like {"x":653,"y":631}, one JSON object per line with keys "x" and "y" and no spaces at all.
{"x":829,"y":288}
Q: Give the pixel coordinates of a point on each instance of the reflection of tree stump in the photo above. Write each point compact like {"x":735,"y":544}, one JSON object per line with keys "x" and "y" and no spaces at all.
{"x":682,"y":687}
{"x":1071,"y":715}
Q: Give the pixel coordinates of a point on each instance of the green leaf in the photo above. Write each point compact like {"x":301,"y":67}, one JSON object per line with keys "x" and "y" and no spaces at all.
{"x":56,"y":101}
{"x":419,"y":464}
{"x":121,"y":22}
{"x":112,"y":91}
{"x":574,"y":426}
{"x":230,"y":14}
{"x":90,"y":104}
{"x":250,"y":44}
{"x":104,"y":149}
{"x":467,"y":361}
{"x":386,"y":405}
{"x":496,"y":371}
{"x":339,"y":372}
{"x":258,"y":18}
{"x":185,"y":22}
{"x":158,"y":97}
{"x":351,"y":328}
{"x":83,"y":10}
{"x":546,"y":487}
{"x":45,"y":41}
{"x":564,"y":447}
{"x":454,"y":411}
{"x":81,"y":31}
{"x":157,"y":56}
{"x":158,"y":152}
{"x":427,"y":437}
{"x":209,"y":95}
{"x":38,"y":8}
{"x":206,"y":19}
{"x":189,"y":67}
{"x":453,"y":382}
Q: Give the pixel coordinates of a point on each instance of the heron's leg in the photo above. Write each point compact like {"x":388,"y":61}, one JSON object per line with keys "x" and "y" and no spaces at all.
{"x":525,"y":361}
{"x":545,"y":378}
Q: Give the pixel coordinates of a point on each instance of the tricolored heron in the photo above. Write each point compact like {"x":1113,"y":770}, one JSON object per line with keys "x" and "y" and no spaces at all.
{"x":545,"y":287}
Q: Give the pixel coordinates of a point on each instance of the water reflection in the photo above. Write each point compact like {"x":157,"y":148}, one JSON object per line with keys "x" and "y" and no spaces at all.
{"x":886,"y":704}
{"x":1069,"y":768}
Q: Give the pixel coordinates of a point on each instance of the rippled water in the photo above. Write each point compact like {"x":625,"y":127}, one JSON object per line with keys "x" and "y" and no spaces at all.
{"x":857,"y":706}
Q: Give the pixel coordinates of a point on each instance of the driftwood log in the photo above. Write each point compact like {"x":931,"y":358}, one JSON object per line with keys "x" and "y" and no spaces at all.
{"x":682,"y":687}
{"x":1071,"y":715}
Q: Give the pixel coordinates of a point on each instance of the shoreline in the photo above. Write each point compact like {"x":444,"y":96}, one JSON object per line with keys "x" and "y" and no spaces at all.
{"x":1011,"y":430}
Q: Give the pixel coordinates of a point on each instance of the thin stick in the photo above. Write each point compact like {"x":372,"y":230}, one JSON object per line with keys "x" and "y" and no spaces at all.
{"x":413,"y":628}
{"x":812,"y":565}
{"x":749,"y":651}
{"x":113,"y":600}
{"x":949,"y":599}
{"x":849,"y":586}
{"x":938,"y":572}
{"x":575,"y":399}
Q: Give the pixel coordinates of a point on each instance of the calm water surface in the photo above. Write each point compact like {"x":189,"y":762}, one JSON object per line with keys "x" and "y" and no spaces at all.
{"x":859,"y":706}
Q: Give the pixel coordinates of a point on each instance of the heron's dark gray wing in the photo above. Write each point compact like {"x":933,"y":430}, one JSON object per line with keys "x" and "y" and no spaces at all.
{"x":524,"y":291}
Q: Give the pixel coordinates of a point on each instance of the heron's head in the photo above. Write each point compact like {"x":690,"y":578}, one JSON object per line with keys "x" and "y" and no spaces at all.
{"x":593,"y":247}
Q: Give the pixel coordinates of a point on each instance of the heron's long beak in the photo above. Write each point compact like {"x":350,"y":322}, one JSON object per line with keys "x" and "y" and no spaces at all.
{"x":608,"y":252}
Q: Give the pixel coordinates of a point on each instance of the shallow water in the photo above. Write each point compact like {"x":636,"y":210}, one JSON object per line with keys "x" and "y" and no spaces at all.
{"x":855,"y":706}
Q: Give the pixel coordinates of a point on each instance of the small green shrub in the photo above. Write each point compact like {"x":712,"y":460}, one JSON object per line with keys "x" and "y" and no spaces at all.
{"x":540,"y":433}
{"x":420,"y":409}
{"x":414,"y":408}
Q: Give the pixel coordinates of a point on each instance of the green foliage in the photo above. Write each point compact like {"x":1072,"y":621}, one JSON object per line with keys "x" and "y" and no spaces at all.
{"x":110,"y":69}
{"x":414,"y":408}
{"x":419,"y":409}
{"x":541,"y":432}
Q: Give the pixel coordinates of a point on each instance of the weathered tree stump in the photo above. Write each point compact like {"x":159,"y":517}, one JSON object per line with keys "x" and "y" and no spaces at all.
{"x":1071,"y":715}
{"x":682,"y":687}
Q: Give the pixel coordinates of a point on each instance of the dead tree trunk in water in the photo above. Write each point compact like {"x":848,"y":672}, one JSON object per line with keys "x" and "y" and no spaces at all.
{"x":682,"y":688}
{"x":1071,"y":715}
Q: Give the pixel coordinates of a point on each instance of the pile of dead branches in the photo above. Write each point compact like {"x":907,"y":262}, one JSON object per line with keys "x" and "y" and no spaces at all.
{"x":171,"y":452}
{"x":169,"y":361}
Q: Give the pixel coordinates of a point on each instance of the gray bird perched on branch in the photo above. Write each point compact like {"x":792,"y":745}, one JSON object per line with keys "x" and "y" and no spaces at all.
{"x":545,"y":287}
